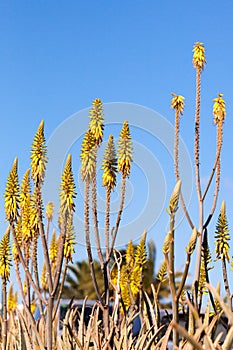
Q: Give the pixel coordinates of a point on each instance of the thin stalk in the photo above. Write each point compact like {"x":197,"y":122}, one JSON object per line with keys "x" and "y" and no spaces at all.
{"x":197,"y":132}
{"x":49,"y":323}
{"x":28,"y":311}
{"x":95,"y":219}
{"x":47,"y":230}
{"x":43,"y":238}
{"x":184,"y":277}
{"x":60,"y":289}
{"x":35,"y":267}
{"x":88,"y":242}
{"x":172,"y":279}
{"x":60,"y":254}
{"x":226,"y":283}
{"x":115,"y":230}
{"x":217,"y":168}
{"x":207,"y":272}
{"x":26,"y":254}
{"x":212,"y":173}
{"x":4,"y":326}
{"x":38,"y":293}
{"x":107,"y":219}
{"x":198,"y":256}
{"x":176,"y":165}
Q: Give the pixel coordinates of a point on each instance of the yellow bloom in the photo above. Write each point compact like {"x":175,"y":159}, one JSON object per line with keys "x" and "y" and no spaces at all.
{"x":12,"y":300}
{"x":12,"y":193}
{"x":177,"y":103}
{"x":25,"y":189}
{"x":5,"y":256}
{"x":109,"y":165}
{"x":70,"y":240}
{"x":162,"y":273}
{"x":199,"y":56}
{"x":44,"y":278}
{"x":38,"y":155}
{"x":18,"y":231}
{"x":222,"y":235}
{"x":88,"y":156}
{"x":53,"y":248}
{"x":67,"y":188}
{"x":96,"y":124}
{"x":219,"y":109}
{"x":49,"y":210}
{"x":125,"y":150}
{"x":140,"y":254}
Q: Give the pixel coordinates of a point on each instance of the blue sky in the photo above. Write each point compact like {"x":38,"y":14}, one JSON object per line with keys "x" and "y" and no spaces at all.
{"x":57,"y":56}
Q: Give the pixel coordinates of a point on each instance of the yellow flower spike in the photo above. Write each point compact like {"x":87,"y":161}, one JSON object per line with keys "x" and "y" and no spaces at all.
{"x":125,"y":150}
{"x":96,"y":124}
{"x":88,"y":156}
{"x":222,"y":235}
{"x":67,"y":188}
{"x":135,"y":280}
{"x":109,"y":165}
{"x":26,"y":227}
{"x":192,"y":242}
{"x":70,"y":240}
{"x":130,"y":254}
{"x":12,"y":300}
{"x":5,"y":256}
{"x":53,"y":249}
{"x":177,"y":103}
{"x":166,"y":243}
{"x":162,"y":273}
{"x":199,"y":56}
{"x":34,"y":222}
{"x":25,"y":189}
{"x":38,"y":155}
{"x":12,"y":193}
{"x":219,"y":109}
{"x":49,"y":210}
{"x":44,"y":278}
{"x":140,"y":254}
{"x":174,"y":199}
{"x":18,"y":231}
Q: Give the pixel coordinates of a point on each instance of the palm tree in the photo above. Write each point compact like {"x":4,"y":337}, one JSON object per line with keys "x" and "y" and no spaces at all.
{"x":79,"y":284}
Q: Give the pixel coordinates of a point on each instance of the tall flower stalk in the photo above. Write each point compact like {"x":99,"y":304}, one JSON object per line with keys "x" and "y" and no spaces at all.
{"x":5,"y":264}
{"x":177,"y":103}
{"x":199,"y":62}
{"x":125,"y":158}
{"x":88,"y":161}
{"x":109,"y":167}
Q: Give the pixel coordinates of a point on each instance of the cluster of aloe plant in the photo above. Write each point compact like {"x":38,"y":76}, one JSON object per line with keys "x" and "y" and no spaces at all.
{"x":29,"y":228}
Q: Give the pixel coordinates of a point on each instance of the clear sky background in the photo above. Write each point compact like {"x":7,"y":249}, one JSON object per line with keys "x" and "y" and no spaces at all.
{"x":57,"y":56}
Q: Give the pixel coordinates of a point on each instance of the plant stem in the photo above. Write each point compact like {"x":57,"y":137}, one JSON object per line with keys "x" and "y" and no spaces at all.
{"x":115,"y":230}
{"x":25,"y":266}
{"x":4,"y":326}
{"x":226,"y":284}
{"x":88,"y":242}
